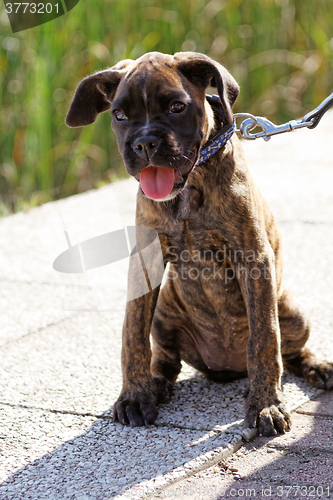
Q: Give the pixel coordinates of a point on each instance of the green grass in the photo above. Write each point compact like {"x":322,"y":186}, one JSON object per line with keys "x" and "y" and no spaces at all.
{"x":281,"y":53}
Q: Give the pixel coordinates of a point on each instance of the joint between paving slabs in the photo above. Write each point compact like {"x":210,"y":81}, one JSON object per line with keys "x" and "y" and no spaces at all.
{"x":226,"y":453}
{"x":34,"y":332}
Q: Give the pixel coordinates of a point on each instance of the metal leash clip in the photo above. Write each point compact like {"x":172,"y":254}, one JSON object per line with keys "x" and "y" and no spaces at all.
{"x":269,"y":129}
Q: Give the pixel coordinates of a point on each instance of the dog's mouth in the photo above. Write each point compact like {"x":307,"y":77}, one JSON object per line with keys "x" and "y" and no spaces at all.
{"x":158,"y":182}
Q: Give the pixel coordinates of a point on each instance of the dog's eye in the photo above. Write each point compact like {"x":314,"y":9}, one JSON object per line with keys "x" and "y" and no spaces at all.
{"x":119,"y":115}
{"x":177,"y":107}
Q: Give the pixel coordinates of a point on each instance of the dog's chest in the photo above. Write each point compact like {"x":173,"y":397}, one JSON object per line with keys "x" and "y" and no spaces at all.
{"x":198,"y":244}
{"x":195,"y":234}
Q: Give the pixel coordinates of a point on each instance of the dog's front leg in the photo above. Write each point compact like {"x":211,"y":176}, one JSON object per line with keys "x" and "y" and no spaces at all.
{"x":141,"y":393}
{"x":264,"y":404}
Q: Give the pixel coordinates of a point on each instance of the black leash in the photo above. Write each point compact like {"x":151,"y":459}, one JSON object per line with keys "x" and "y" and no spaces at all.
{"x":316,"y":115}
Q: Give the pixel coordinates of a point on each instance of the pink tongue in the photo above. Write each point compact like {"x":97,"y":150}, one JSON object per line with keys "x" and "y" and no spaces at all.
{"x":157,"y":182}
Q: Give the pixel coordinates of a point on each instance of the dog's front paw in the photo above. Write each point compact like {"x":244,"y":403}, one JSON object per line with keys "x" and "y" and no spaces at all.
{"x":137,"y":407}
{"x":268,"y":414}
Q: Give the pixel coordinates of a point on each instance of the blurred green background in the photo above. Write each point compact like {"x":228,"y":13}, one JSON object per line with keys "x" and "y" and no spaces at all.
{"x":280,"y":51}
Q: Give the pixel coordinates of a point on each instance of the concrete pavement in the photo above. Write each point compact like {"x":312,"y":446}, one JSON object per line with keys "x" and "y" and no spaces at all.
{"x":296,"y":465}
{"x":60,"y":354}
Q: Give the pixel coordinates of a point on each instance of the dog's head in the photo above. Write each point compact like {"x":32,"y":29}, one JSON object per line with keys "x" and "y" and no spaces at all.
{"x":159,"y":113}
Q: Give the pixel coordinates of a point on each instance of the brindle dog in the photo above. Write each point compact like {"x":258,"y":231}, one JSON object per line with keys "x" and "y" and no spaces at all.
{"x":223,"y":309}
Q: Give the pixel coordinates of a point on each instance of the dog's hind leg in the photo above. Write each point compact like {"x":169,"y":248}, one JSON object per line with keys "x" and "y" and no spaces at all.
{"x":165,"y":363}
{"x":165,"y":360}
{"x":295,"y":331}
{"x":294,"y":326}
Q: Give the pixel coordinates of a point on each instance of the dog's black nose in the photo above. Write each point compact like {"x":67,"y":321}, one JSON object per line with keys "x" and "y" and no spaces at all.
{"x":146,"y":146}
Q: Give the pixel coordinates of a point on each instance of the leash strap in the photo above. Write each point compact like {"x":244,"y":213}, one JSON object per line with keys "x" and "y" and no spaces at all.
{"x":316,"y":115}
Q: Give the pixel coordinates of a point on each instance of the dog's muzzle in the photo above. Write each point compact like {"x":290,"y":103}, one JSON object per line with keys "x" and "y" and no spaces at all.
{"x":165,"y":169}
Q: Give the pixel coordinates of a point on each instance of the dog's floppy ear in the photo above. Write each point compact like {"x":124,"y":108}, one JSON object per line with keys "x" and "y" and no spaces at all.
{"x":203,"y":71}
{"x":94,"y":95}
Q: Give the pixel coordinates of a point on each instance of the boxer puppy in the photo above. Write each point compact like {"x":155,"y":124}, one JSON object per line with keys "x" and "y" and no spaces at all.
{"x":223,"y":309}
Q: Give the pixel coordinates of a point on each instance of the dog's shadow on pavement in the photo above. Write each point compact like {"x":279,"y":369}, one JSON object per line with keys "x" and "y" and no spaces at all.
{"x":109,"y":459}
{"x":297,"y":464}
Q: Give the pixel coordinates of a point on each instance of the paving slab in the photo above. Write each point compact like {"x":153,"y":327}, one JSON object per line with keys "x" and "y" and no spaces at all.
{"x":322,"y":406}
{"x":60,"y":347}
{"x":28,"y":433}
{"x":70,"y":456}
